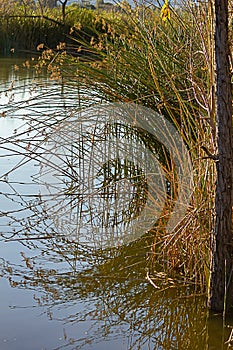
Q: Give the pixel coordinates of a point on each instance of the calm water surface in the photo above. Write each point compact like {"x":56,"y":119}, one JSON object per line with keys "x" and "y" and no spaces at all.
{"x":54,"y":292}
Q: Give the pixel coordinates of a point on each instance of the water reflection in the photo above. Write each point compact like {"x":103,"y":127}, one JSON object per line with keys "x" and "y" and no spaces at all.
{"x":116,"y":296}
{"x":99,"y":295}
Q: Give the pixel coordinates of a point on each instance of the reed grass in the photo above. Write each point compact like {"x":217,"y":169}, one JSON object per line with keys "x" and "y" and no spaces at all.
{"x":169,"y":67}
{"x":24,"y":29}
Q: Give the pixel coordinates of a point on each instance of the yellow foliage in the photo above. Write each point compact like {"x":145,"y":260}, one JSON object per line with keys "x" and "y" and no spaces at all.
{"x":165,"y":11}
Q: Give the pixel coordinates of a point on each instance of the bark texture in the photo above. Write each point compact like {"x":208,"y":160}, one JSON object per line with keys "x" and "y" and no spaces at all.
{"x":221,"y":282}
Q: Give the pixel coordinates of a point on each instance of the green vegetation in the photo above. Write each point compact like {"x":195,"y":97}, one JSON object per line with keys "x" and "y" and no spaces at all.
{"x":23,"y":29}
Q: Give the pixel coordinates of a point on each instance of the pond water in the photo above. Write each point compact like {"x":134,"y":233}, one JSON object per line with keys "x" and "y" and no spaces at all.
{"x":58,"y":291}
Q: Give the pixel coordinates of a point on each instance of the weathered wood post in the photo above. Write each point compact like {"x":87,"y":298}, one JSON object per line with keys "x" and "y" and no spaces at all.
{"x":221,"y":281}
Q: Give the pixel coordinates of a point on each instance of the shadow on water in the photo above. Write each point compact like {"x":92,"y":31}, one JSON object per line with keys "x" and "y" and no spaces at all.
{"x":55,"y":215}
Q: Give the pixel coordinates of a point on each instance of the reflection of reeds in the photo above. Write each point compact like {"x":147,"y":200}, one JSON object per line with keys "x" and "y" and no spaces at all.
{"x":114,"y":291}
{"x":95,"y":183}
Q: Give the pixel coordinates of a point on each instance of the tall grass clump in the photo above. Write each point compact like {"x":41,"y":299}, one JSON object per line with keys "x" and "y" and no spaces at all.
{"x":167,"y":65}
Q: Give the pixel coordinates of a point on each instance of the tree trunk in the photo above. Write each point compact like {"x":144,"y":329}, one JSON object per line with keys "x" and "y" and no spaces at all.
{"x":221,"y":281}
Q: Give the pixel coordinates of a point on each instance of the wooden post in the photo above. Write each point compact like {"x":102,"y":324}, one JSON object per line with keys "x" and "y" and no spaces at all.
{"x":221,"y":281}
